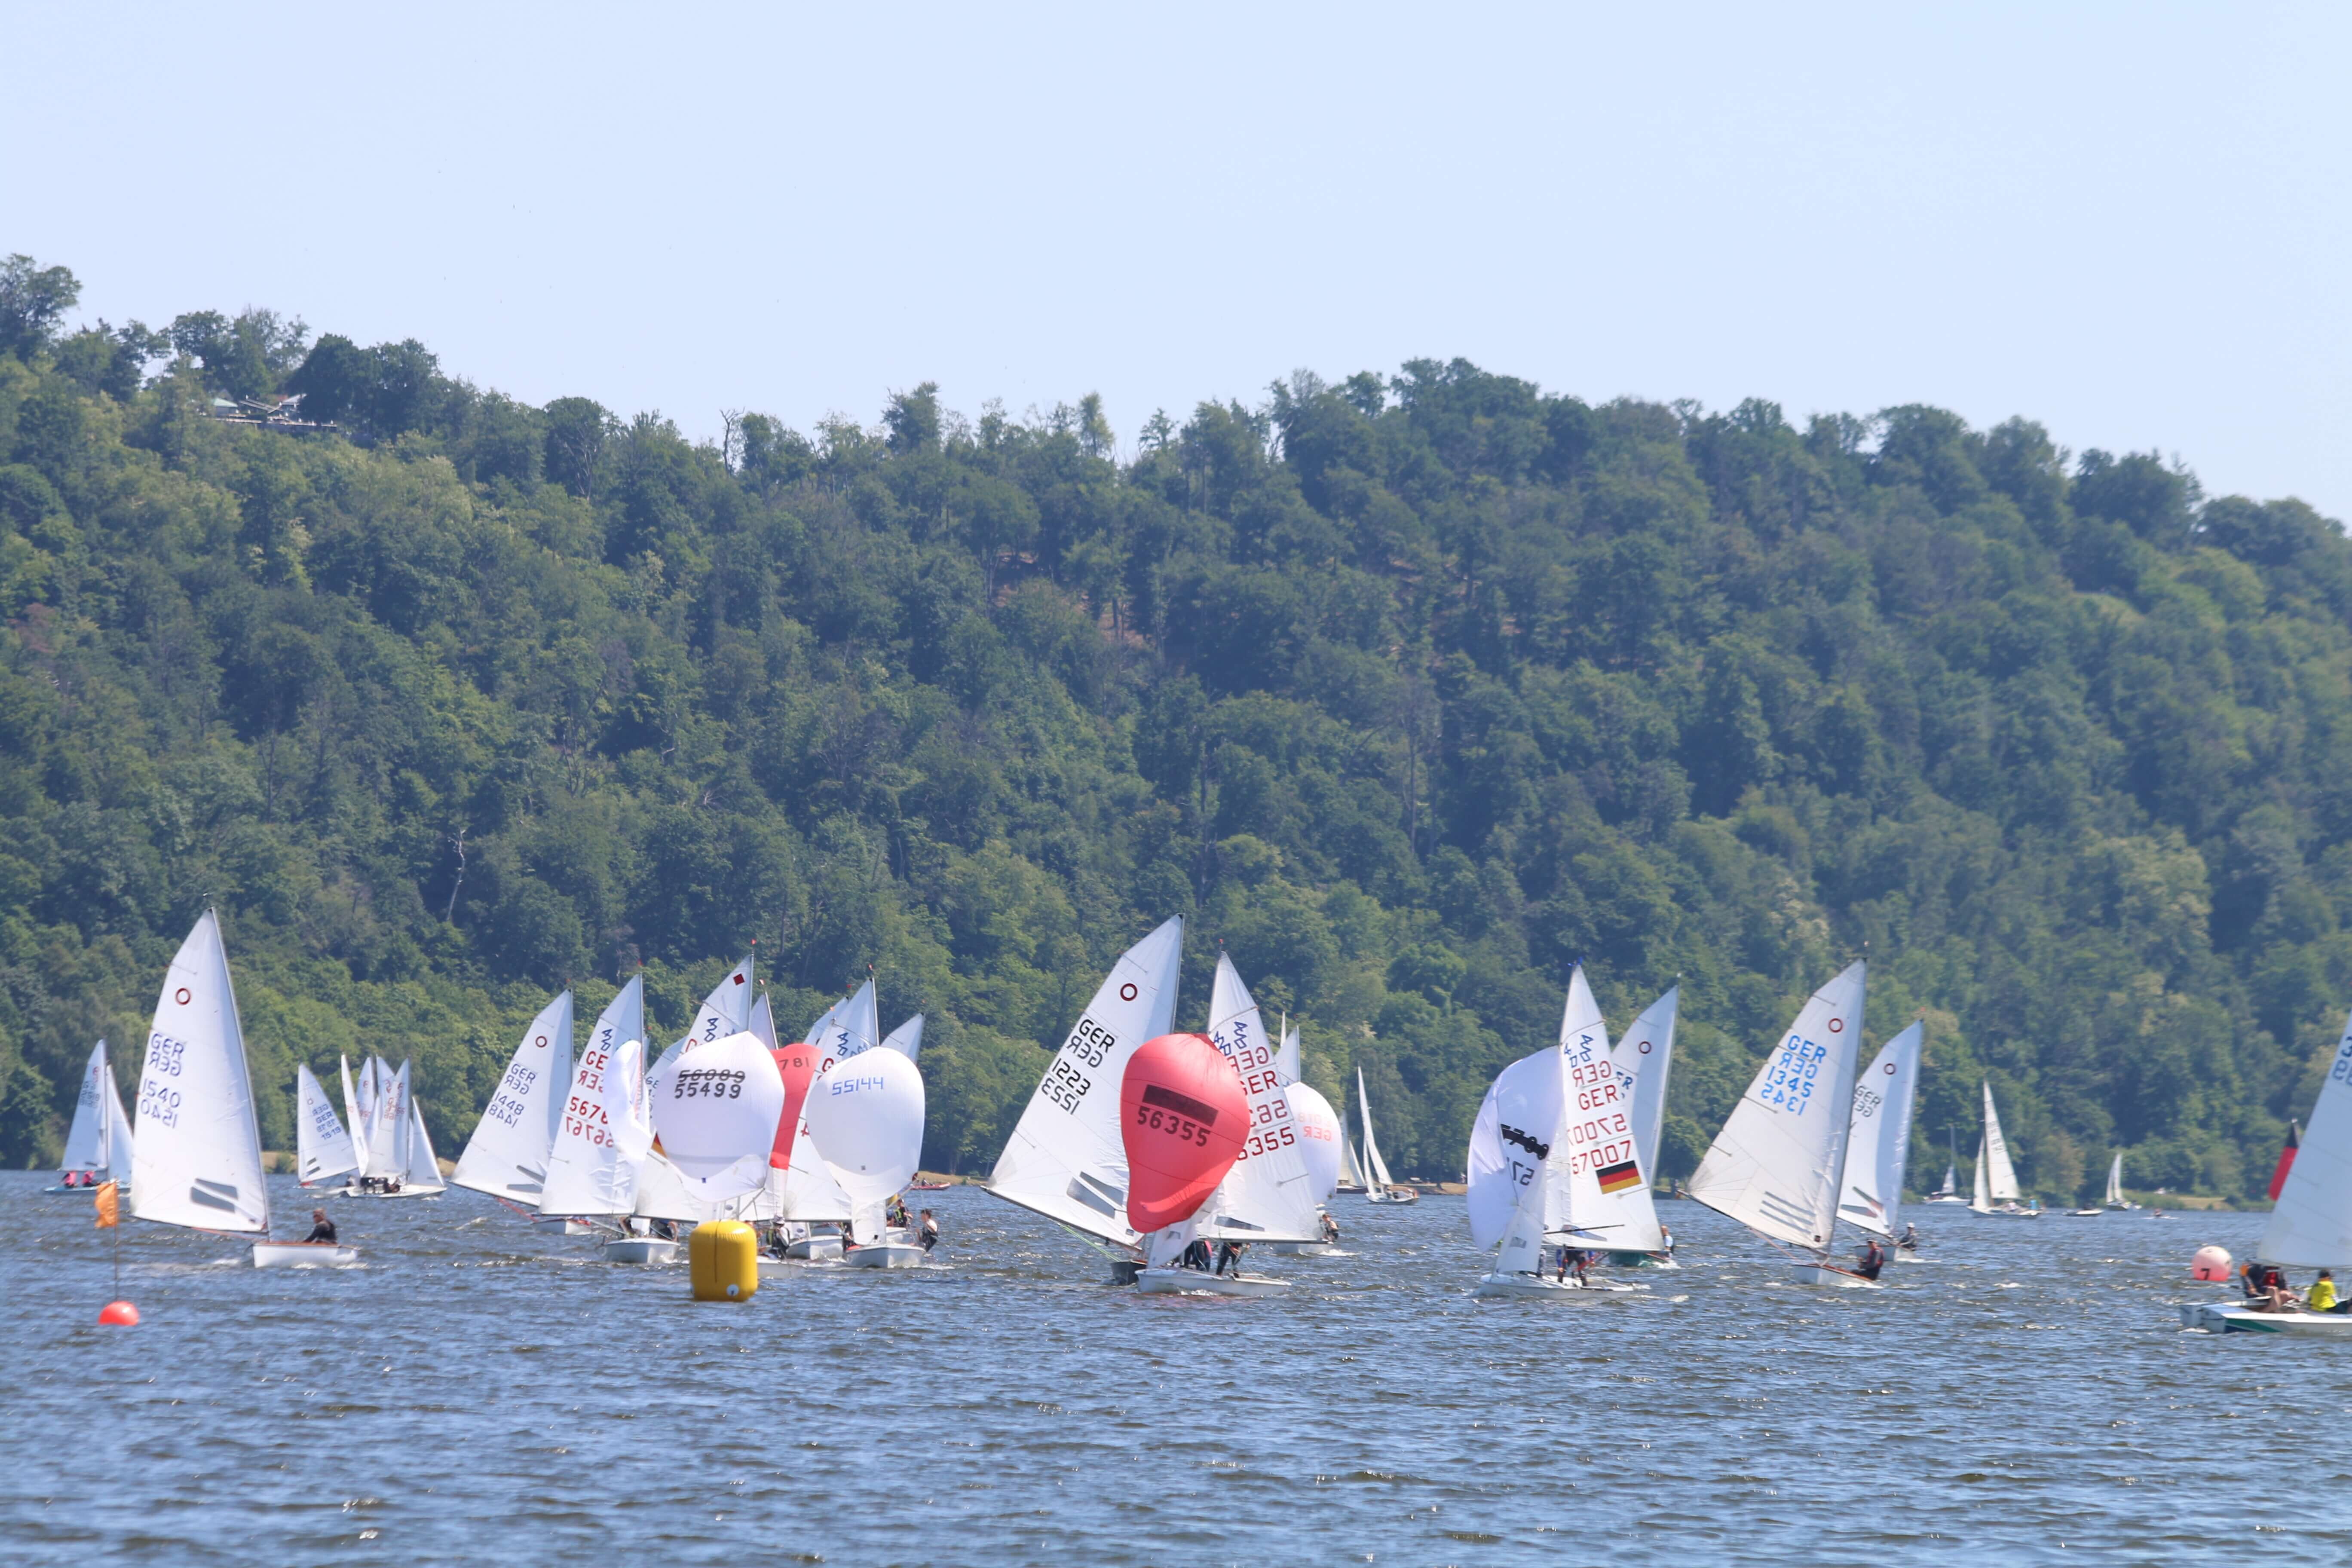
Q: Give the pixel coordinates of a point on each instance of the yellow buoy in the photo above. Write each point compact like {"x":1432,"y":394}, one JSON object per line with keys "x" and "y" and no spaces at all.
{"x":723,"y":1257}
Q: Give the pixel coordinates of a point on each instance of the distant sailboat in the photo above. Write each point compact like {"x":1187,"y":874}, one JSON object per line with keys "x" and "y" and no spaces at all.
{"x":99,"y":1147}
{"x":197,"y":1163}
{"x":1352,"y":1166}
{"x":1950,"y":1192}
{"x":1379,"y":1186}
{"x":1878,"y":1141}
{"x":1996,"y":1177}
{"x":1778,"y":1164}
{"x":322,"y":1149}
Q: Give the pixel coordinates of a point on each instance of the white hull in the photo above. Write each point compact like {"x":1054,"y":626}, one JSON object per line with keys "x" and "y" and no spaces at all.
{"x":1393,"y":1196}
{"x":883,"y":1255}
{"x":303,"y":1255}
{"x":1954,"y":1198}
{"x":2004,"y":1213}
{"x":641,"y":1249}
{"x":1299,"y":1249}
{"x":122,"y":1190}
{"x":2084,"y":1214}
{"x":1898,"y":1256}
{"x":404,"y":1192}
{"x":809,"y":1248}
{"x":1195,"y":1282}
{"x":1538,"y":1285}
{"x":563,"y":1227}
{"x":2216,"y":1320}
{"x":1844,"y":1280}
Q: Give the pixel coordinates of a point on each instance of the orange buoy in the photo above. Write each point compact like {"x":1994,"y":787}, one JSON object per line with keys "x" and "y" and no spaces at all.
{"x":1183,"y":1117}
{"x":2210,"y":1263}
{"x":122,"y":1312}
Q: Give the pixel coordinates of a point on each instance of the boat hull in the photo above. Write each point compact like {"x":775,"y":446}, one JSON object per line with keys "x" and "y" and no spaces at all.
{"x":404,"y":1192}
{"x":1835,"y":1278}
{"x":1501,"y":1285}
{"x":810,"y":1248}
{"x":303,"y":1255}
{"x":563,"y":1227}
{"x":1194,"y":1282}
{"x":883,"y":1255}
{"x":1393,"y":1196}
{"x":2236,"y":1320}
{"x":641,"y":1249}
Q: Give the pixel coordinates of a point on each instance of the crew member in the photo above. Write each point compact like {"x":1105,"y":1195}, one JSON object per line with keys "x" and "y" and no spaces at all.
{"x":1229,"y":1255}
{"x":1872,"y":1259}
{"x":2321,"y":1297}
{"x":321,"y":1228}
{"x":930,"y":1233}
{"x":1330,"y":1230}
{"x":1910,"y":1242}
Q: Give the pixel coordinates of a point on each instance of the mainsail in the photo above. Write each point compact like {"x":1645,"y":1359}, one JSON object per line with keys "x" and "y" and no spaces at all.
{"x":322,"y":1147}
{"x":198,"y":1158}
{"x":2311,"y":1226}
{"x":1879,"y":1142}
{"x":1614,"y":1209}
{"x":1644,"y":1056}
{"x":2002,"y":1183}
{"x":851,"y":1026}
{"x":1777,"y":1164}
{"x":423,"y":1172}
{"x":1065,"y":1159}
{"x":586,"y":1172}
{"x":1376,"y":1170}
{"x":2115,"y":1198}
{"x":506,"y":1156}
{"x":101,"y":1139}
{"x":1268,"y":1195}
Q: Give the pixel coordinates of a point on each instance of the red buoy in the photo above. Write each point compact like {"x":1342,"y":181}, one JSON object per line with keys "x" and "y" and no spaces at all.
{"x":1183,"y":1117}
{"x":797,"y":1063}
{"x":122,"y":1312}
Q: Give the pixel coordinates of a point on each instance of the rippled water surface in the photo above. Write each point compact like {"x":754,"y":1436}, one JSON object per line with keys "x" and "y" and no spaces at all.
{"x":483,"y":1393}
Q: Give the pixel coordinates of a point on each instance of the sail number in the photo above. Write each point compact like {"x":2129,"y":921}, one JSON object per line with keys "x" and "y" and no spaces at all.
{"x":163,"y":1054}
{"x":504,"y":1109}
{"x":2343,"y":1067}
{"x":1789,"y":1083}
{"x":707,"y":1083}
{"x":1091,"y":1043}
{"x":1182,"y":1128}
{"x":158,"y":1104}
{"x":1065,"y":1086}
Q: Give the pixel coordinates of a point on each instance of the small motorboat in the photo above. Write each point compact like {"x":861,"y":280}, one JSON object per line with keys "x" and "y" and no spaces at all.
{"x":1195,"y":1282}
{"x":303,"y":1255}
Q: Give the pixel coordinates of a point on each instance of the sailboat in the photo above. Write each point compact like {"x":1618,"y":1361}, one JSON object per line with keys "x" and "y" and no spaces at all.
{"x":1268,"y":1195}
{"x":1555,"y":1160}
{"x":99,"y":1147}
{"x":506,"y":1156}
{"x":395,"y":1154}
{"x":1996,"y":1177}
{"x":865,"y":1113}
{"x":322,"y":1149}
{"x":1878,"y":1137}
{"x":2311,"y":1224}
{"x":1320,"y":1137}
{"x":197,"y":1159}
{"x":2115,"y":1198}
{"x":661,"y":1195}
{"x":1778,"y":1164}
{"x":1067,"y":1158}
{"x":1950,"y":1192}
{"x":1352,"y":1166}
{"x":592,"y":1171}
{"x":1643,"y":1059}
{"x":1379,"y":1188}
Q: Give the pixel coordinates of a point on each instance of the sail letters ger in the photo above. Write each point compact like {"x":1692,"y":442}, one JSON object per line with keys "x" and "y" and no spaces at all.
{"x":109,"y":1211}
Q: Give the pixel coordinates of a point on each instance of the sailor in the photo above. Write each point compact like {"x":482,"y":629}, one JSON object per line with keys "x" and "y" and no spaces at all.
{"x":930,"y":1233}
{"x":1229,"y":1254}
{"x":1910,"y":1242}
{"x":893,"y":1213}
{"x":2321,"y":1297}
{"x":1197,"y":1256}
{"x":321,"y":1228}
{"x":1872,"y":1259}
{"x":1330,"y":1230}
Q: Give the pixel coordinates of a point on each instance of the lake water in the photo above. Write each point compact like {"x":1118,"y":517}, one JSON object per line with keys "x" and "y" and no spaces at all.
{"x":481,"y":1393}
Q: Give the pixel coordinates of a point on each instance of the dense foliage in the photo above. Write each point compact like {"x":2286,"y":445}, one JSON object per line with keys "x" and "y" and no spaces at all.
{"x":1410,"y":692}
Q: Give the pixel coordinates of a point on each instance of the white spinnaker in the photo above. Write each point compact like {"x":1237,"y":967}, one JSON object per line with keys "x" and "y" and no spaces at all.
{"x":586,"y":1172}
{"x":199,"y":1157}
{"x":906,"y":1040}
{"x":717,"y":1117}
{"x":2115,"y":1198}
{"x":1065,"y":1159}
{"x":1541,"y":1209}
{"x":1516,"y":1125}
{"x":1982,"y":1201}
{"x":1617,"y":1212}
{"x":1644,"y":1056}
{"x":423,"y":1171}
{"x":322,"y":1147}
{"x":2002,"y":1183}
{"x":1376,"y":1170}
{"x":355,"y":1115}
{"x":85,"y":1143}
{"x":726,"y":1011}
{"x":1318,"y":1133}
{"x":851,"y":1026}
{"x":1879,"y":1142}
{"x":506,"y":1156}
{"x":1268,"y":1195}
{"x":1778,"y":1162}
{"x":2311,"y":1224}
{"x":388,"y":1139}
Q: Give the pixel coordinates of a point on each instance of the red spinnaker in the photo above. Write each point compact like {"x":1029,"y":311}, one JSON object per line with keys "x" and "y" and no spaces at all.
{"x":1183,"y":1116}
{"x":798,"y":1064}
{"x":2286,"y":1158}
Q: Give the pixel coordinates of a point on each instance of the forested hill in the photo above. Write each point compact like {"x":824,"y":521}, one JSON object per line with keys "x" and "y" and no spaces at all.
{"x":1408,"y":690}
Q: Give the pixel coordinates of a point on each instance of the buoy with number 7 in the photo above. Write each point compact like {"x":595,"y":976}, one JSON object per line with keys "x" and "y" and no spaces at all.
{"x":1182,"y":1118}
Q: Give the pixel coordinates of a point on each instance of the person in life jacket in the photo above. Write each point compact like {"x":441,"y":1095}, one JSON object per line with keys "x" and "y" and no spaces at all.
{"x":2322,"y":1296}
{"x":1872,"y":1259}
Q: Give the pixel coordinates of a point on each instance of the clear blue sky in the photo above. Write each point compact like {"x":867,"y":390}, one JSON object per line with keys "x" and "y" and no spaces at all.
{"x":2129,"y":221}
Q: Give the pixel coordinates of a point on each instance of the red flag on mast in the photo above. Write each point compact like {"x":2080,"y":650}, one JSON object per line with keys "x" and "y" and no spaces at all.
{"x":2286,"y":1158}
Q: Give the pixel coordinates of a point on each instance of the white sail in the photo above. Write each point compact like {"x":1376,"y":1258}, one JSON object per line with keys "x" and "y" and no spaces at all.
{"x":1268,"y":1195}
{"x":1286,"y":1061}
{"x":762,"y":1022}
{"x":726,"y":1011}
{"x":199,"y":1157}
{"x":906,"y":1040}
{"x":2003,"y":1180}
{"x":1644,"y":1056}
{"x":1518,"y":1123}
{"x":1318,"y":1131}
{"x":2115,"y":1198}
{"x":1065,"y":1158}
{"x":506,"y":1156}
{"x":662,"y":1194}
{"x":355,"y":1115}
{"x":851,"y":1026}
{"x":585,"y":1172}
{"x":387,"y":1135}
{"x":1376,"y":1170}
{"x":322,"y":1147}
{"x":1982,"y":1201}
{"x":1617,"y":1212}
{"x":422,"y":1173}
{"x":811,"y":1191}
{"x":1951,"y":1183}
{"x":1519,"y":1247}
{"x":1879,"y":1141}
{"x":1351,"y":1167}
{"x":1776,"y":1165}
{"x":2311,"y":1224}
{"x":99,"y":1140}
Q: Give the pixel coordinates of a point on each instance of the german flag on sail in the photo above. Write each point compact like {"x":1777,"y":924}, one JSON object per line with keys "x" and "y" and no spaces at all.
{"x":1617,"y":1178}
